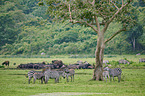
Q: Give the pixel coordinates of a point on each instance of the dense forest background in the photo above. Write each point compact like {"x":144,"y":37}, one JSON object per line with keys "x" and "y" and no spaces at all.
{"x":26,"y":29}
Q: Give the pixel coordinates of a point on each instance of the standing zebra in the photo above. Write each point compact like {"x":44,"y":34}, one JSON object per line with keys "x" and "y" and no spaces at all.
{"x":38,"y":75}
{"x":51,"y":74}
{"x":106,"y":75}
{"x":61,"y":74}
{"x":116,"y":72}
{"x":69,"y":72}
{"x":35,"y":75}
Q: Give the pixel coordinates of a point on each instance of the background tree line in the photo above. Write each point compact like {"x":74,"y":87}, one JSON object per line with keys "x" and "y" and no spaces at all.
{"x":26,"y":29}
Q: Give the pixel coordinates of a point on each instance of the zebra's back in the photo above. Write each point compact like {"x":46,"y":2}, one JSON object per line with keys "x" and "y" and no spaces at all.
{"x":115,"y":72}
{"x":30,"y":73}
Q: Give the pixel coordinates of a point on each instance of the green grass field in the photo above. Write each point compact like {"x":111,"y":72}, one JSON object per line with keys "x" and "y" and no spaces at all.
{"x":14,"y":83}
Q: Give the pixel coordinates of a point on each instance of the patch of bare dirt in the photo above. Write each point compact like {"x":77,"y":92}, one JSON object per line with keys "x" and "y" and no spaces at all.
{"x":67,"y":94}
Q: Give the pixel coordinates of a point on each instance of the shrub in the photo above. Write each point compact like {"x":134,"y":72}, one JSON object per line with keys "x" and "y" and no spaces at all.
{"x":1,"y":66}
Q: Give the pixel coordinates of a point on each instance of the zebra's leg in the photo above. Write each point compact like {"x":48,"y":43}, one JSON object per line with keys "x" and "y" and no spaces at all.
{"x":29,"y":80}
{"x":106,"y":78}
{"x":46,"y":79}
{"x":34,"y":80}
{"x":73,"y":77}
{"x":119,"y":78}
{"x":113,"y":79}
{"x":55,"y":80}
{"x":110,"y":78}
{"x":58,"y":80}
{"x":42,"y":80}
{"x":67,"y":78}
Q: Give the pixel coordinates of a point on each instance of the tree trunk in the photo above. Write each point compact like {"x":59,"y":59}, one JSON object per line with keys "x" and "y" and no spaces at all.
{"x":133,"y":43}
{"x":99,"y":53}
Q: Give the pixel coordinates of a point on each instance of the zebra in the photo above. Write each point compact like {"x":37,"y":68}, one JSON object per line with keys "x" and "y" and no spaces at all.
{"x":31,"y":75}
{"x":51,"y":74}
{"x":61,"y":74}
{"x":116,"y":72}
{"x":38,"y":75}
{"x":106,"y":74}
{"x":69,"y":72}
{"x":122,"y":61}
{"x":141,"y":60}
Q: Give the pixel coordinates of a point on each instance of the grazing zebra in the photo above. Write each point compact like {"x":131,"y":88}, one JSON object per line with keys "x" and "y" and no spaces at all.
{"x":69,"y":72}
{"x":51,"y":74}
{"x":61,"y":74}
{"x":122,"y":61}
{"x":141,"y":60}
{"x":116,"y":72}
{"x":31,"y":75}
{"x":106,"y":74}
{"x":38,"y":75}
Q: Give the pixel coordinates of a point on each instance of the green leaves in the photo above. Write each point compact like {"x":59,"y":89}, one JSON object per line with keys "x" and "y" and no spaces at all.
{"x":40,"y":3}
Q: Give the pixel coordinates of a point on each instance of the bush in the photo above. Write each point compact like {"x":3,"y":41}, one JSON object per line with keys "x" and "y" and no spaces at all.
{"x":1,"y":66}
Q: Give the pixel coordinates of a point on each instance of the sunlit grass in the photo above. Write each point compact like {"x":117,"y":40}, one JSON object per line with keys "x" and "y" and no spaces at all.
{"x":14,"y":83}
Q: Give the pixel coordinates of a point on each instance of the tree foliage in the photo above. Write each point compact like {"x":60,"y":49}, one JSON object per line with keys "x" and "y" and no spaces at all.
{"x":25,"y":28}
{"x":88,"y":12}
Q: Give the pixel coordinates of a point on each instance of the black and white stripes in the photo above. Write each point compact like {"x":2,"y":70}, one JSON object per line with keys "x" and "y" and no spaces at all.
{"x":116,"y":72}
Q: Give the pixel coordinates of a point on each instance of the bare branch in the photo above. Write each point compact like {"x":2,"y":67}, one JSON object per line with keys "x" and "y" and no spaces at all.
{"x":70,"y":14}
{"x":114,"y":35}
{"x":100,"y":23}
{"x":82,"y":22}
{"x":105,"y":27}
{"x":112,"y":18}
{"x":97,"y":23}
{"x":92,"y":3}
{"x":122,"y":3}
{"x":114,"y":4}
{"x":125,"y":4}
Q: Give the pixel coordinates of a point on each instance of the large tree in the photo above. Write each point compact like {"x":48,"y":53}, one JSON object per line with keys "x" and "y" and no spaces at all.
{"x":97,"y":14}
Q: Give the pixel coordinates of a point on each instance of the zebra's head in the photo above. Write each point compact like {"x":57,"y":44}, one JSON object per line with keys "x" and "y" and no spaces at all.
{"x":63,"y":75}
{"x":106,"y":69}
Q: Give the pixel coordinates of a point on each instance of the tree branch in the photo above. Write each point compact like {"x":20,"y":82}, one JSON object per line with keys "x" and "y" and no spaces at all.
{"x":114,"y":35}
{"x":122,"y":2}
{"x":82,"y":22}
{"x":119,"y":9}
{"x":114,"y":4}
{"x":92,"y":3}
{"x":70,"y":14}
{"x":97,"y":23}
{"x":100,"y":23}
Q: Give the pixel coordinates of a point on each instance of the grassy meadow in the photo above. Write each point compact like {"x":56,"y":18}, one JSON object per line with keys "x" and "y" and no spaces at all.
{"x":14,"y":83}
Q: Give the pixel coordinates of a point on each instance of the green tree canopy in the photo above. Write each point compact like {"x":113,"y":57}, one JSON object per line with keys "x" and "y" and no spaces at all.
{"x":96,"y":14}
